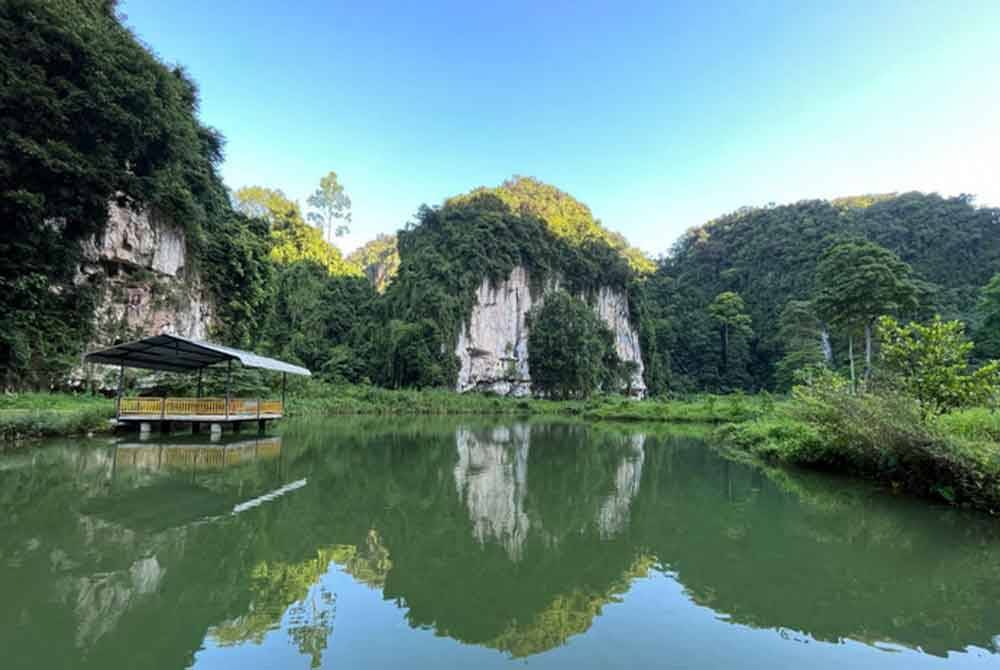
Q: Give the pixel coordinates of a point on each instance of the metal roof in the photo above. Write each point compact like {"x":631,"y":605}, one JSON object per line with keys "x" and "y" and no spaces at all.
{"x":179,"y":354}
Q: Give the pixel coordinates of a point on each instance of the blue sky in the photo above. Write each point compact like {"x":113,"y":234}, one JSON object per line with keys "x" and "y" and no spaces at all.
{"x":660,"y":116}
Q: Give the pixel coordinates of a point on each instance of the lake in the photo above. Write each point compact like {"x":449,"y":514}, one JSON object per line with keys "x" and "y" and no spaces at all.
{"x":438,"y":543}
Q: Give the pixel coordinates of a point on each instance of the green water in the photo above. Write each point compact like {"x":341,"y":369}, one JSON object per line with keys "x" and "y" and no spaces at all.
{"x":470,"y":543}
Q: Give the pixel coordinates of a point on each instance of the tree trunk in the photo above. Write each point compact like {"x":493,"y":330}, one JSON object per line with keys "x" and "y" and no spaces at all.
{"x":868,"y":354}
{"x":850,"y":355}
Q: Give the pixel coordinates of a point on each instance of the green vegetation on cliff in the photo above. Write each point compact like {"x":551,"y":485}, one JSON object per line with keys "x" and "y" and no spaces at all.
{"x":92,"y":117}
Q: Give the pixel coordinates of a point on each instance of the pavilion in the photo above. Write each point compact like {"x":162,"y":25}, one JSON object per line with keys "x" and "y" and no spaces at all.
{"x":171,"y":353}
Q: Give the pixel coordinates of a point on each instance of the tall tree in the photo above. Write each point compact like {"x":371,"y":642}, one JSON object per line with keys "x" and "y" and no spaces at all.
{"x":729,"y":313}
{"x":802,"y":337}
{"x":856,"y":282}
{"x":293,"y":239}
{"x":570,"y":350}
{"x":330,"y":207}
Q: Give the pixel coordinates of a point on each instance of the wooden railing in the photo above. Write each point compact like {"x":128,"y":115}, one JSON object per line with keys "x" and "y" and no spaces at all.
{"x":174,"y":407}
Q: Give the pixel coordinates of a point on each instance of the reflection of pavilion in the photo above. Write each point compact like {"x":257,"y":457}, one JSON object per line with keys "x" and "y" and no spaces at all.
{"x":158,"y":485}
{"x":180,"y":456}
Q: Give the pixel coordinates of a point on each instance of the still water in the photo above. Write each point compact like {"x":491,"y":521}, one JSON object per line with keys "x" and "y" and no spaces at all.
{"x":468,"y":543}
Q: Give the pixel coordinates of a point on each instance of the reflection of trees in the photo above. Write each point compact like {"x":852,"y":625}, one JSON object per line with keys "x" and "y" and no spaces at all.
{"x":821,"y":555}
{"x":368,"y":563}
{"x":310,"y":623}
{"x":276,"y":586}
{"x":567,"y":615}
{"x":594,"y":509}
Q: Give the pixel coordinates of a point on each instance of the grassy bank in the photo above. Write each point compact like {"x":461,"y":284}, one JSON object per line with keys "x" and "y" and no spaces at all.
{"x":315,"y":398}
{"x":32,"y":415}
{"x":952,"y":457}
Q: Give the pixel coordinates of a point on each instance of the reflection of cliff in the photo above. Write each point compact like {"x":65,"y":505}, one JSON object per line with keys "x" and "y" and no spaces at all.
{"x":491,"y":477}
{"x":613,"y":515}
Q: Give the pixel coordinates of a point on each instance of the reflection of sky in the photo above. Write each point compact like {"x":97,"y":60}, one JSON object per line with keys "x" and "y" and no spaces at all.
{"x":656,"y":625}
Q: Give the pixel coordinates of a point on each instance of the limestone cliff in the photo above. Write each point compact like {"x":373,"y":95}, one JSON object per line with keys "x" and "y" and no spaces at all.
{"x":492,"y":345}
{"x":146,"y":284}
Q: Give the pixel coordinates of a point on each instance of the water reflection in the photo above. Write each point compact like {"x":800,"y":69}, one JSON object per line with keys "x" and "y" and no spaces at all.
{"x":512,"y":537}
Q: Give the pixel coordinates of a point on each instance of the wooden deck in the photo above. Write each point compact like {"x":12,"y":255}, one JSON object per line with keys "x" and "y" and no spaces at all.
{"x":165,"y":414}
{"x":200,"y":410}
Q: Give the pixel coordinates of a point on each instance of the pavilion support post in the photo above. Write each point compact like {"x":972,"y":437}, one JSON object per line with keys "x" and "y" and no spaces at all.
{"x":229,"y":378}
{"x":284,"y":383}
{"x":121,"y":387}
{"x":200,"y":370}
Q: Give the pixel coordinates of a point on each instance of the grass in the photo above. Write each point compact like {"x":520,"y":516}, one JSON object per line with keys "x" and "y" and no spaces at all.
{"x":694,"y":409}
{"x":29,"y":415}
{"x":33,"y":415}
{"x":888,"y":438}
{"x":317,"y":398}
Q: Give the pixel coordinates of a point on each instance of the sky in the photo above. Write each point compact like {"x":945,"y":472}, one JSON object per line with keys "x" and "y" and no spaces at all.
{"x":660,"y":116}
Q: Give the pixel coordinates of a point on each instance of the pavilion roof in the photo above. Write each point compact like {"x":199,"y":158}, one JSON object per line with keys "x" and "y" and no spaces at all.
{"x":179,"y":354}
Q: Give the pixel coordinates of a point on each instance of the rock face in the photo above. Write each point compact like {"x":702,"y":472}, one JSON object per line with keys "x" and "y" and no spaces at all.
{"x":147,"y":286}
{"x":492,"y":346}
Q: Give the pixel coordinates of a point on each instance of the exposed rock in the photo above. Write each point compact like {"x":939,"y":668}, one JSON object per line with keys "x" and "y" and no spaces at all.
{"x":140,"y":239}
{"x":492,"y":345}
{"x":140,"y":263}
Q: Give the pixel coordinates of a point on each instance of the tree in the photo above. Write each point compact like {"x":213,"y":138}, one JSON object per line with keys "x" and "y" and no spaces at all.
{"x":801,"y":336}
{"x":331,"y":208}
{"x":930,"y":362}
{"x":321,"y":320}
{"x":270,"y":204}
{"x":729,"y":312}
{"x":988,"y":319}
{"x":293,"y":239}
{"x":90,"y":117}
{"x":570,"y":350}
{"x":770,"y":255}
{"x":856,"y":282}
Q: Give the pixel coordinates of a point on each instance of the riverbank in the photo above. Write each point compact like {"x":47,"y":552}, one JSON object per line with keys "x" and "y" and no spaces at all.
{"x":952,"y":457}
{"x":36,"y":415}
{"x":316,"y":398}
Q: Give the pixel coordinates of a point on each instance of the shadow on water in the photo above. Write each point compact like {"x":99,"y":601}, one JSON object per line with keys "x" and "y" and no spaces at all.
{"x":513,"y":536}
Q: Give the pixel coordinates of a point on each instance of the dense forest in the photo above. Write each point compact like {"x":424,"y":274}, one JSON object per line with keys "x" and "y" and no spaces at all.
{"x":742,"y":302}
{"x":770,"y":258}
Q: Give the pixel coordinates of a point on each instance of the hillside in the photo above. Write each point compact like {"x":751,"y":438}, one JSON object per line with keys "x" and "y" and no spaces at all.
{"x":477,"y":259}
{"x":768,"y":256}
